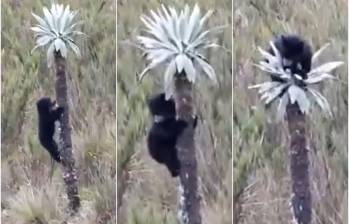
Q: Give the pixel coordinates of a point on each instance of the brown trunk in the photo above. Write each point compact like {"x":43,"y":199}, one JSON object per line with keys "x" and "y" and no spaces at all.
{"x":301,"y":199}
{"x":190,"y":201}
{"x":68,"y":162}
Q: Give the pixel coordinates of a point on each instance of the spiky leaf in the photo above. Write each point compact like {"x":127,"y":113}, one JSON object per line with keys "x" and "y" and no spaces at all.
{"x":326,"y":68}
{"x":56,"y":29}
{"x":177,"y":38}
{"x":293,"y":87}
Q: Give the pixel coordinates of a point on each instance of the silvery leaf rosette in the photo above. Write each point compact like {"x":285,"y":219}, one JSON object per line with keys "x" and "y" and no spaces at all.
{"x":293,"y":89}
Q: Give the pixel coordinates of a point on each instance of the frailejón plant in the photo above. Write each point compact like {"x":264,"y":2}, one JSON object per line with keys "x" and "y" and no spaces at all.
{"x":56,"y":30}
{"x":293,"y":88}
{"x":176,"y":40}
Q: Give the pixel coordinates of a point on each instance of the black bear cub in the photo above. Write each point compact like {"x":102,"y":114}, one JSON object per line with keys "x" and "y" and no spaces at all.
{"x":296,"y":54}
{"x":163,"y":134}
{"x":48,"y":114}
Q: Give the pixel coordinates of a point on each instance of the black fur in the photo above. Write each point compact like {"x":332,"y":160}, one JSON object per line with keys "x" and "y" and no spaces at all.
{"x":48,"y":114}
{"x":297,"y":51}
{"x":298,"y":54}
{"x":163,"y":134}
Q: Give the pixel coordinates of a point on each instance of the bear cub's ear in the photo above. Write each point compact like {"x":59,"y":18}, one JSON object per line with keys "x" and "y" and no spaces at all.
{"x":60,"y":110}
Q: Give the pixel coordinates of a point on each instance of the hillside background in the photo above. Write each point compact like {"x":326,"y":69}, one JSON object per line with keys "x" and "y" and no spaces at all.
{"x":28,"y":193}
{"x":146,"y":193}
{"x":261,"y":164}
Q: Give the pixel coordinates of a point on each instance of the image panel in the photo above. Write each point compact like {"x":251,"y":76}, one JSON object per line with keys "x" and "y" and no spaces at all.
{"x":290,"y":112}
{"x":58,"y":111}
{"x":174,"y":112}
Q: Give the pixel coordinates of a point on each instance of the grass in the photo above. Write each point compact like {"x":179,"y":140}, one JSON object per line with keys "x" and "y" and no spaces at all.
{"x":29,"y":194}
{"x":146,"y":193}
{"x":261,"y":177}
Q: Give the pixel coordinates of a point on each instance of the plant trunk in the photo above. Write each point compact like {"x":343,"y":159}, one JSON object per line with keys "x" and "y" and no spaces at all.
{"x":301,"y":199}
{"x":68,"y":162}
{"x":189,"y":211}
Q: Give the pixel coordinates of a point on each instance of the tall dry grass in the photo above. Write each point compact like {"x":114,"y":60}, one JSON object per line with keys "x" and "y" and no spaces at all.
{"x":261,"y":164}
{"x":29,"y":195}
{"x":146,"y":193}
